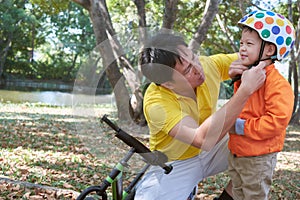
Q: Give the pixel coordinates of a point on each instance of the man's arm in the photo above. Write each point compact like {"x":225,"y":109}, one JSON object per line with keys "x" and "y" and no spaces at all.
{"x":214,"y":128}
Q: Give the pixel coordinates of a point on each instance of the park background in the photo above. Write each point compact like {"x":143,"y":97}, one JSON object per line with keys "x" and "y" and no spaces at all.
{"x":55,"y":85}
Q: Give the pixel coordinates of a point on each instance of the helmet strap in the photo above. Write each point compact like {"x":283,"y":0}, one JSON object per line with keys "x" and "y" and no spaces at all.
{"x":273,"y":58}
{"x":262,"y":47}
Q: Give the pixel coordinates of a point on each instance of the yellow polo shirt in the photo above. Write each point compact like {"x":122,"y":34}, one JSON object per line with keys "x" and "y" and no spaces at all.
{"x":163,"y":108}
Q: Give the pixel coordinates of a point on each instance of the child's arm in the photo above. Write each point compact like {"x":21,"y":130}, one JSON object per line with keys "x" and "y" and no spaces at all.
{"x":279,"y":102}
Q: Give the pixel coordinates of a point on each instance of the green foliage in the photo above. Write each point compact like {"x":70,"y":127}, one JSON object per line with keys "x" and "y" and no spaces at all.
{"x":73,"y":39}
{"x":73,"y":29}
{"x":226,"y":90}
{"x":18,"y":26}
{"x":52,"y":6}
{"x":189,"y":17}
{"x":61,"y":40}
{"x":283,"y":9}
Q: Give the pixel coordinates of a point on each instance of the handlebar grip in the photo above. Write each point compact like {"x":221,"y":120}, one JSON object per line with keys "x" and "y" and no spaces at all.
{"x":147,"y":154}
{"x":125,"y":137}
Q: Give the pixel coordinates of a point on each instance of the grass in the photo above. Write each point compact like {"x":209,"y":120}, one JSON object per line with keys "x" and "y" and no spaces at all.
{"x":66,"y":150}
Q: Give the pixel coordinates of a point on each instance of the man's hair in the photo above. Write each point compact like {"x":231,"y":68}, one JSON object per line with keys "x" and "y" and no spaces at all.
{"x":159,"y":56}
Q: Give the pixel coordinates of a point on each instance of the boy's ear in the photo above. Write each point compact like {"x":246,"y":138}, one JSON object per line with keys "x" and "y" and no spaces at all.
{"x":271,"y":49}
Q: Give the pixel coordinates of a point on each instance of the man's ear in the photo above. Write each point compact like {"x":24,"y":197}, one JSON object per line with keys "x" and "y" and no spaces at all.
{"x":168,"y":84}
{"x":271,"y":49}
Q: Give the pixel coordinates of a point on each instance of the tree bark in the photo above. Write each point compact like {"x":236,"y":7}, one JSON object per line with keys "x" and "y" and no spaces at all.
{"x":209,"y":14}
{"x":102,"y":26}
{"x":84,"y":3}
{"x":140,"y":5}
{"x":293,"y":70}
{"x":170,"y":13}
{"x":226,"y":31}
{"x":3,"y":56}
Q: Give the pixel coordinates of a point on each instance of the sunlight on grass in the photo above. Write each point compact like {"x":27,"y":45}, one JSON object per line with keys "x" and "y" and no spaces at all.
{"x":40,"y":166}
{"x":42,"y":144}
{"x":288,"y":161}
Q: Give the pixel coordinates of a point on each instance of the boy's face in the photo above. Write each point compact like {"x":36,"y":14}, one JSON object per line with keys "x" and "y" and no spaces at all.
{"x":249,"y":47}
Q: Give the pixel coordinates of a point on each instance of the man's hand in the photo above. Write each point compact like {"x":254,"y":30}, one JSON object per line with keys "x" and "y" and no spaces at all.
{"x":236,"y":68}
{"x":253,"y":78}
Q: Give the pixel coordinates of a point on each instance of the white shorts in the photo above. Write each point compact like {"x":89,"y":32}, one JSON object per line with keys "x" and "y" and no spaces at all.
{"x":186,"y":174}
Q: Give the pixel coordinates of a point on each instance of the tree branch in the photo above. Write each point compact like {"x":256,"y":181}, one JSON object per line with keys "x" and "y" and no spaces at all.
{"x":210,"y":12}
{"x":225,"y":31}
{"x":86,"y":4}
{"x":32,"y":185}
{"x":170,"y":13}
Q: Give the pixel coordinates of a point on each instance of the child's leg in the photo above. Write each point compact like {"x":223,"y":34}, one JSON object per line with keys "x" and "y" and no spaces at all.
{"x":235,"y":178}
{"x":255,"y":176}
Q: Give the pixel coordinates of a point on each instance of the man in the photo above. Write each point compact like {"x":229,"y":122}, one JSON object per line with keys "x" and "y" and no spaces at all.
{"x":179,"y":106}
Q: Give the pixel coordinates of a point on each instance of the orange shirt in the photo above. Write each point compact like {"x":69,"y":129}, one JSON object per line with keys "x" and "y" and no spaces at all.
{"x":267,"y":114}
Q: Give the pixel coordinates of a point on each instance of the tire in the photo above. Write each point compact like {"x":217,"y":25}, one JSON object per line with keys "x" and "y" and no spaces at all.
{"x":86,"y":192}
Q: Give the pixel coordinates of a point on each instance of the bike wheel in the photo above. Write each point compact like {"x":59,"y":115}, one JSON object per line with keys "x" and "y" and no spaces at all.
{"x":89,"y":190}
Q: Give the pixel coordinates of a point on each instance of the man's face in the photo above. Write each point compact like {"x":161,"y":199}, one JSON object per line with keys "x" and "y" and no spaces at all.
{"x":190,"y":70}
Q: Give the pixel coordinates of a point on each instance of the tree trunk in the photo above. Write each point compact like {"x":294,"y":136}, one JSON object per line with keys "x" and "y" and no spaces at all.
{"x":170,"y":13}
{"x":293,"y":61}
{"x":102,"y":25}
{"x":3,"y":55}
{"x":100,"y":19}
{"x":293,"y":72}
{"x":140,"y":5}
{"x":32,"y":43}
{"x":209,"y":14}
{"x":226,"y":31}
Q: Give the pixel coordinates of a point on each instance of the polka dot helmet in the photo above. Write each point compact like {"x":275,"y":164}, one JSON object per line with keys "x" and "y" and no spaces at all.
{"x":272,"y":27}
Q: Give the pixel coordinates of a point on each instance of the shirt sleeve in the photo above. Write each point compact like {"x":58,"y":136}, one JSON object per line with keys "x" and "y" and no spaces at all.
{"x":223,"y":61}
{"x":163,"y":117}
{"x":239,"y":126}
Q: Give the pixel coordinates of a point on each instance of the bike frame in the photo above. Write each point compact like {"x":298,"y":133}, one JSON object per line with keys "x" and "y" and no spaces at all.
{"x":115,"y":178}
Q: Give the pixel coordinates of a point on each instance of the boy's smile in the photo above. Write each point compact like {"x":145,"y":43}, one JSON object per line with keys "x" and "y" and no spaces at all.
{"x":250,"y":44}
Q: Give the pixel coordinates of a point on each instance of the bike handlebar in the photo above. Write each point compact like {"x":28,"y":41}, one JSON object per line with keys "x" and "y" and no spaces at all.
{"x":153,"y":158}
